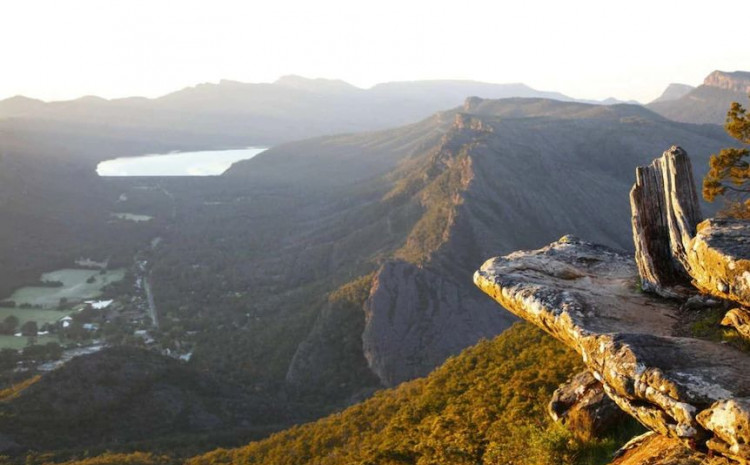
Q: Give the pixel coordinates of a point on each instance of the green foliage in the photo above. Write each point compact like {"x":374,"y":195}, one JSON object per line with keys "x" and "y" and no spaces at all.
{"x":729,"y":173}
{"x":13,"y":391}
{"x":9,"y":324}
{"x":29,"y":328}
{"x":486,"y":405}
{"x":440,"y":196}
{"x":709,"y":327}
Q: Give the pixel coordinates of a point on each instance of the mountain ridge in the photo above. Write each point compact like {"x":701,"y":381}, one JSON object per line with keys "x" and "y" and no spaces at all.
{"x":709,"y":102}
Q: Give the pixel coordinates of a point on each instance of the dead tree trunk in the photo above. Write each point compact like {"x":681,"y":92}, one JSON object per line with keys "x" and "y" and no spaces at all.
{"x":665,"y":213}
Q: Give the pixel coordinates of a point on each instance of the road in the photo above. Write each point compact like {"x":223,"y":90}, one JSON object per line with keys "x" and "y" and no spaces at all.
{"x":151,"y":305}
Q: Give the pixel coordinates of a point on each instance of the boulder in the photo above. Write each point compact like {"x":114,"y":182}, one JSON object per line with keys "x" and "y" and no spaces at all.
{"x":581,"y":405}
{"x":665,"y":213}
{"x":586,"y":295}
{"x":739,"y":319}
{"x":719,"y":259}
{"x":729,"y":419}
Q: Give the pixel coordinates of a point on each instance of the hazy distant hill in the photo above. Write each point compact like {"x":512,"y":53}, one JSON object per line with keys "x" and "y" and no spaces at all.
{"x":420,"y":207}
{"x":709,"y":102}
{"x":674,"y":91}
{"x":238,"y":114}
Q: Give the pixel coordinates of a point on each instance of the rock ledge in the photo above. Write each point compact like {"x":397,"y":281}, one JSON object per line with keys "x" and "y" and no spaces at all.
{"x":588,"y":297}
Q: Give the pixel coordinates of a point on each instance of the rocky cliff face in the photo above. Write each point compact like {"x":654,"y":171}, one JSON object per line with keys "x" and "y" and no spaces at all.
{"x":718,"y":259}
{"x":416,"y":318}
{"x":708,"y":102}
{"x":737,"y":81}
{"x":502,"y":175}
{"x":589,"y":296}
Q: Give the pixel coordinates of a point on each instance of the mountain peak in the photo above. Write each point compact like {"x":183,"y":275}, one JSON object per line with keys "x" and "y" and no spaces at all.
{"x":316,"y":85}
{"x":736,"y":81}
{"x":674,"y":91}
{"x":19,"y":105}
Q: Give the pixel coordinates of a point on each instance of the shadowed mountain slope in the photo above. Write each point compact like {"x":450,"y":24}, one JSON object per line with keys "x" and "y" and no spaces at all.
{"x":420,"y":206}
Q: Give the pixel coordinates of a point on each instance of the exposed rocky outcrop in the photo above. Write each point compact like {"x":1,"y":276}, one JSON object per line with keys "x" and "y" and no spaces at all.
{"x":708,"y":102}
{"x":586,"y":296}
{"x":581,"y":405}
{"x":655,"y":449}
{"x":737,"y":81}
{"x":739,"y":319}
{"x":415,"y":319}
{"x":719,"y":259}
{"x":665,"y":209}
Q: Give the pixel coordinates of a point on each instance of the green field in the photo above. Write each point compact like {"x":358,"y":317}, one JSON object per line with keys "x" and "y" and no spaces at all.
{"x":41,"y":316}
{"x":75,"y":288}
{"x":13,"y":342}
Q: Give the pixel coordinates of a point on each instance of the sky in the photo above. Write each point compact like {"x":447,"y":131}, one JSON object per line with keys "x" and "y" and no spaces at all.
{"x":58,"y":50}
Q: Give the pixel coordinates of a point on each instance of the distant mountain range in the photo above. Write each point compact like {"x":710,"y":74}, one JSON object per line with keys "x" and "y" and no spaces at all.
{"x":236,"y":114}
{"x":707,"y":103}
{"x":331,"y":266}
{"x":233,"y":114}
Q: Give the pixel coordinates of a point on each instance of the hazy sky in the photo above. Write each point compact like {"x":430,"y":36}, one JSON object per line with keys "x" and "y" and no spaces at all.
{"x":53,"y":49}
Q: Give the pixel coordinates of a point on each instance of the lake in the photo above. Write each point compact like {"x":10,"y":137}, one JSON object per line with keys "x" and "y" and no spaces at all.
{"x":203,"y":163}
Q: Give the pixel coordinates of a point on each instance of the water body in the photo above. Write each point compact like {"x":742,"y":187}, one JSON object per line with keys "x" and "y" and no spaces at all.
{"x":203,"y":163}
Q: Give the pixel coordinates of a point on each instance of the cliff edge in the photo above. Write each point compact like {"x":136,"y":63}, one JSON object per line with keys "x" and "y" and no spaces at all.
{"x":593,"y":299}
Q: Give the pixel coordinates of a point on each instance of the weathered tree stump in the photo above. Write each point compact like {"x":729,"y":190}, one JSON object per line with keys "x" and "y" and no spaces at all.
{"x":665,"y":213}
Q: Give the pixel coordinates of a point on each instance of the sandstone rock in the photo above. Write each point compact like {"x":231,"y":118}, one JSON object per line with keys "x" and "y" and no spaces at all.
{"x":581,"y":405}
{"x":586,"y":296}
{"x":655,"y":449}
{"x":739,"y":319}
{"x":738,"y":81}
{"x":719,"y":257}
{"x":665,"y":212}
{"x":730,"y":421}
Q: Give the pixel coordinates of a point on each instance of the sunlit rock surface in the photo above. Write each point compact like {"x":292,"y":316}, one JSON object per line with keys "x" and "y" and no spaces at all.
{"x":739,"y":319}
{"x":719,"y":258}
{"x":655,"y":449}
{"x":588,"y":297}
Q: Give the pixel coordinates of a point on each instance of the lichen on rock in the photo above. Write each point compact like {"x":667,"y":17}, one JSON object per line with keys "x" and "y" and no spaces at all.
{"x":626,"y":338}
{"x":719,"y":258}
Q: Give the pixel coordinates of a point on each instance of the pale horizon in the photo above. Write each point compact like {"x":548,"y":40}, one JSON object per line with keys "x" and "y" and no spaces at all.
{"x":584,"y":49}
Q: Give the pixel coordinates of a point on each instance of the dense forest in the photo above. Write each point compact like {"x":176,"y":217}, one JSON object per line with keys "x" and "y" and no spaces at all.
{"x":486,"y":405}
